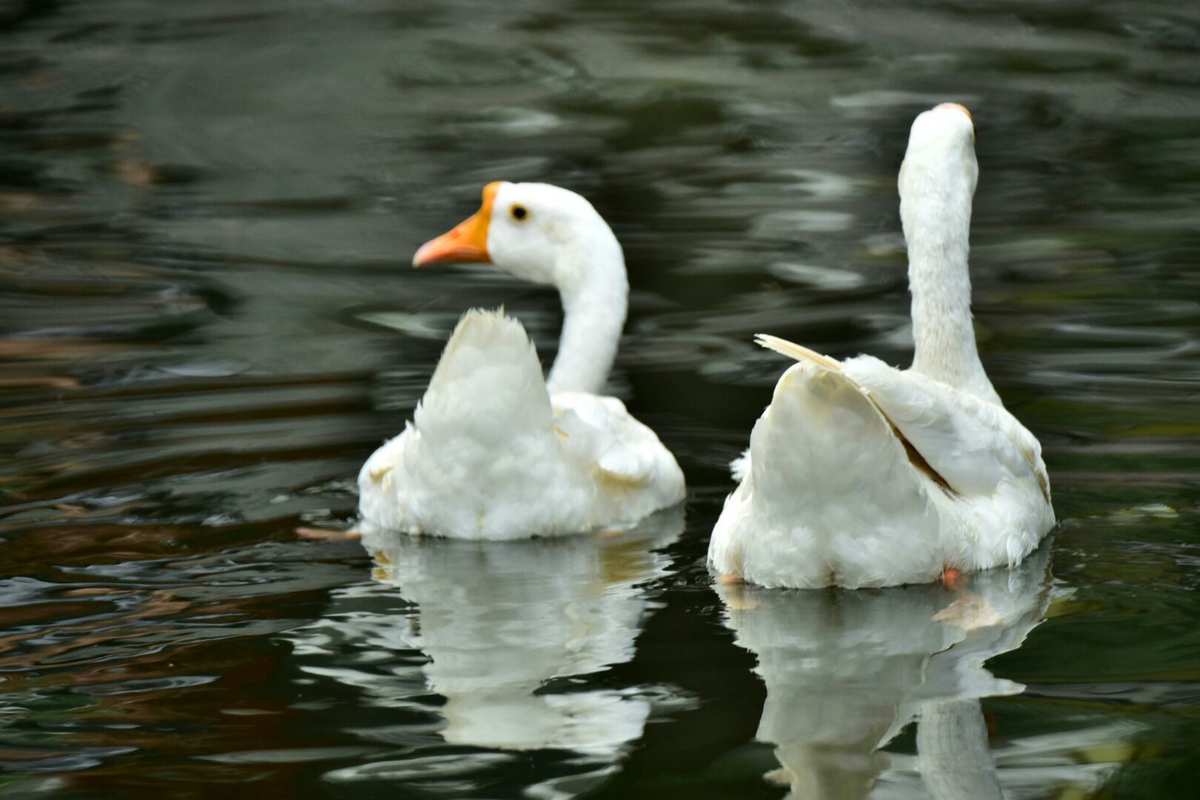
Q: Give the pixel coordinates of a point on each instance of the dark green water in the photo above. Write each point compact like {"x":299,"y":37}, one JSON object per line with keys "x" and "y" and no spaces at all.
{"x":207,"y":323}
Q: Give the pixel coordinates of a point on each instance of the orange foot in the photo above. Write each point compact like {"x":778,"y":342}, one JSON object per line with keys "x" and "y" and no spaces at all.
{"x":326,"y":535}
{"x":953,"y":579}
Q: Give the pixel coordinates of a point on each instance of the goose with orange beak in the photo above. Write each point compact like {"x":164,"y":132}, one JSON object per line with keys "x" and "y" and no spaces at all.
{"x":494,"y":450}
{"x":860,"y":474}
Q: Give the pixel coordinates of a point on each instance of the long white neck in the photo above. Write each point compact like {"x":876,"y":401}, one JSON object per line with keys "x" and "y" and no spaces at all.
{"x":937,"y":229}
{"x":595,"y":297}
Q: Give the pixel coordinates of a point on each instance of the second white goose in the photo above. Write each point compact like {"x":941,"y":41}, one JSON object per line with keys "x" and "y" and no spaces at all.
{"x":861,"y":474}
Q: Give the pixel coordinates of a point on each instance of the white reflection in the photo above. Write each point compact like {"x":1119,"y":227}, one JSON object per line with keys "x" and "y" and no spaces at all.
{"x":847,"y":671}
{"x":503,"y":627}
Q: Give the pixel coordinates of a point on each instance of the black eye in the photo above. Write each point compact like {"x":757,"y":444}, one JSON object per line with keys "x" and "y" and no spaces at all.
{"x":519,"y":212}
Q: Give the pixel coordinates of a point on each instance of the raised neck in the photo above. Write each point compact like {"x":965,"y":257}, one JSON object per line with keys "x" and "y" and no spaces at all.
{"x":937,"y":231}
{"x":595,"y":296}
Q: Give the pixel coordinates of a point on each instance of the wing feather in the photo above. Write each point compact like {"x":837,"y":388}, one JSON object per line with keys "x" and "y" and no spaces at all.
{"x":972,"y":443}
{"x":600,"y":432}
{"x":795,"y":351}
{"x":963,"y":443}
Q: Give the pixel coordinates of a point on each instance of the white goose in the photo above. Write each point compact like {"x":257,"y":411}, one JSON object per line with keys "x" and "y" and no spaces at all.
{"x":861,"y":474}
{"x":495,"y":451}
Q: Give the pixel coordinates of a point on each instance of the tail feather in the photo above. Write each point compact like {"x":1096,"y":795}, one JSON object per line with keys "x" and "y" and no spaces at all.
{"x":739,"y":468}
{"x":830,"y":498}
{"x":488,"y":376}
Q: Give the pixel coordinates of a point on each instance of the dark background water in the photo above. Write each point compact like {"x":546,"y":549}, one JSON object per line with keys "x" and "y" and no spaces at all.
{"x":206,"y":213}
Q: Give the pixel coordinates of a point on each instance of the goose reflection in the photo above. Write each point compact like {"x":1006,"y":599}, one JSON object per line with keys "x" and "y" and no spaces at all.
{"x":846,"y":671}
{"x":502,"y":631}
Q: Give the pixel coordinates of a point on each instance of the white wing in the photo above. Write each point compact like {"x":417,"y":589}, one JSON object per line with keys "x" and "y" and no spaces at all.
{"x":600,"y":432}
{"x":970,"y":444}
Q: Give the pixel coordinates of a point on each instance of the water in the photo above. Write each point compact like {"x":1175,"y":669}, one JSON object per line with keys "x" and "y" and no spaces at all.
{"x":207,"y":324}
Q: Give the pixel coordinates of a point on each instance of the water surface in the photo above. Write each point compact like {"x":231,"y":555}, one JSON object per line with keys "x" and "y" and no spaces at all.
{"x":207,"y":324}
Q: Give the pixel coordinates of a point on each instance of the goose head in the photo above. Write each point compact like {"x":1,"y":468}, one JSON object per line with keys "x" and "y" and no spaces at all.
{"x":535,"y":231}
{"x":939,"y":166}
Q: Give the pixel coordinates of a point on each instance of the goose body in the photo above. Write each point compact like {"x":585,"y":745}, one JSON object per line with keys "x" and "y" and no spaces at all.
{"x":496,"y":451}
{"x":861,"y":474}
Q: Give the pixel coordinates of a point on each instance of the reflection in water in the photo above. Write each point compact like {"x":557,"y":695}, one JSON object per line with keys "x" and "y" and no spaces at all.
{"x":506,"y":629}
{"x":847,"y":671}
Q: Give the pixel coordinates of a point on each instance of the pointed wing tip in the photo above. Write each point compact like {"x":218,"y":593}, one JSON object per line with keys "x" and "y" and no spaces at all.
{"x":795,"y":351}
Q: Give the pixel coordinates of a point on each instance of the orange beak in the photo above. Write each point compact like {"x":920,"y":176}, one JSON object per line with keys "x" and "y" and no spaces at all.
{"x":467,"y":241}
